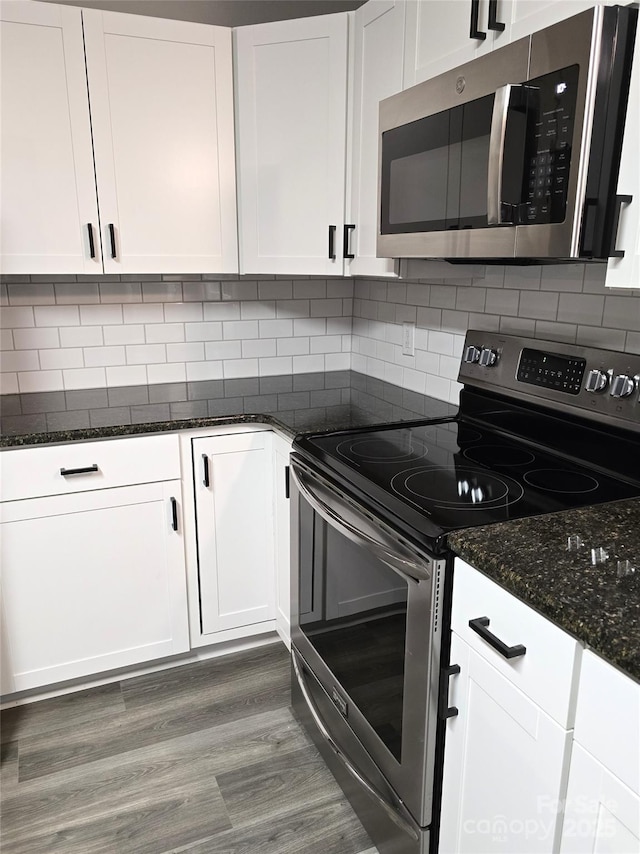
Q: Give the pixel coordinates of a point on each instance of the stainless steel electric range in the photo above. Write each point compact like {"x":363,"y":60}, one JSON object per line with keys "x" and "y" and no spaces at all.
{"x":542,"y":427}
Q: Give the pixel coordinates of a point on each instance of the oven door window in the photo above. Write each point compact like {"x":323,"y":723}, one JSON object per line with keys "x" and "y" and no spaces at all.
{"x":353,"y":611}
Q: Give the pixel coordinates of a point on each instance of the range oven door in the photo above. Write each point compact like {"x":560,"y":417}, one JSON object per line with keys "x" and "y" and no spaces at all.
{"x":366,"y":622}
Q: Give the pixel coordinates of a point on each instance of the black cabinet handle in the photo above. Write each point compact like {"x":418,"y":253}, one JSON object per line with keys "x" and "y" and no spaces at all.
{"x":620,"y":200}
{"x":205,"y":470}
{"x":112,"y":238}
{"x":493,"y":23}
{"x":479,"y":626}
{"x":444,"y":709}
{"x":87,"y":470}
{"x":474,"y":32}
{"x":345,"y":241}
{"x":174,"y":514}
{"x":287,"y":481}
{"x":92,"y":245}
{"x":332,"y":241}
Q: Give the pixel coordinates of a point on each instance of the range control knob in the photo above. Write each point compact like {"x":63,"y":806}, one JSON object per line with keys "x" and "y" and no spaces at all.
{"x":597,"y":381}
{"x":488,"y":357}
{"x":472,"y":354}
{"x":622,"y":386}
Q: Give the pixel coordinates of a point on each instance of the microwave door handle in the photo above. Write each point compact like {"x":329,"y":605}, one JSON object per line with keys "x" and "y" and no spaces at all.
{"x":394,"y":811}
{"x":496,"y":154}
{"x":401,"y":560}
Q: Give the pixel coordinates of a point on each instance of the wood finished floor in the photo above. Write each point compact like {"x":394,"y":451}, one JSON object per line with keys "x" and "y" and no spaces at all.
{"x":204,"y":759}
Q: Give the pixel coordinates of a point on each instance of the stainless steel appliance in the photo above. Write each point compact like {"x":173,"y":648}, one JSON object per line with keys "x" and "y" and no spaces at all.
{"x":514,"y":155}
{"x":542,"y":427}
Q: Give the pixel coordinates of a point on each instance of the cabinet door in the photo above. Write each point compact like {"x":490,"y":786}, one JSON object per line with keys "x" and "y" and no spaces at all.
{"x":524,"y":17}
{"x":91,"y":582}
{"x":624,"y":272}
{"x":291,"y":119}
{"x":282,"y":536}
{"x":162,"y":115}
{"x":438,"y":37}
{"x":234,"y":521}
{"x":602,"y":815}
{"x":377,"y":74}
{"x":504,"y":767}
{"x":48,"y":193}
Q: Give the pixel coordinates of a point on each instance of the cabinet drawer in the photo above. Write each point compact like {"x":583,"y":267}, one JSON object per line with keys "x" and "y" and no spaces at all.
{"x":36,"y":472}
{"x":608,"y":718}
{"x":547,"y":672}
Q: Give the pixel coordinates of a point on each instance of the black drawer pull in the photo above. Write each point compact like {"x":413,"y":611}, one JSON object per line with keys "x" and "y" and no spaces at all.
{"x":287,"y":481}
{"x":112,"y":238}
{"x":174,"y":514}
{"x":479,"y":626}
{"x":87,"y":470}
{"x":620,"y":200}
{"x":345,"y":241}
{"x":474,"y":32}
{"x":493,"y":23}
{"x":332,"y":241}
{"x":444,"y":709}
{"x":92,"y":245}
{"x":205,"y":470}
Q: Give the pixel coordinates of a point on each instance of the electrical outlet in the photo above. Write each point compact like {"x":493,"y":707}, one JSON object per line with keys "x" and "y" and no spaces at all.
{"x":408,"y":338}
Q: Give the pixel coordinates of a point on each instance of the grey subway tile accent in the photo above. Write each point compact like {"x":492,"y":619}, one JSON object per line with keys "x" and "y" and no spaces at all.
{"x":149,"y":413}
{"x":294,"y":400}
{"x":167,"y":392}
{"x":325,"y":397}
{"x":622,"y":312}
{"x":112,"y":417}
{"x":539,"y":306}
{"x":43,"y":401}
{"x":556,"y":331}
{"x":205,"y":389}
{"x":128,"y":395}
{"x":15,"y":425}
{"x":274,"y":385}
{"x":582,"y":308}
{"x":241,"y":387}
{"x":10,"y":405}
{"x":306,"y":382}
{"x":593,"y":336}
{"x":76,"y":420}
{"x":189,"y":409}
{"x":226,"y":406}
{"x":261,"y":403}
{"x":337,"y":379}
{"x":92,"y":398}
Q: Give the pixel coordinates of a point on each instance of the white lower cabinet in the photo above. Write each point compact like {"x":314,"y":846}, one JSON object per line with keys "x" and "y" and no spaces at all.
{"x":234,"y":529}
{"x":92,"y":579}
{"x":505,"y":765}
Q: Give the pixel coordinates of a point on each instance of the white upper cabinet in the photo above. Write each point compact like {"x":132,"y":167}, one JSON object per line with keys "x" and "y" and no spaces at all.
{"x":162,"y":116}
{"x":624,"y":271}
{"x":291,"y":116}
{"x":438,"y":36}
{"x":161,"y":101}
{"x":377,"y":73}
{"x":48,"y":199}
{"x":528,"y":16}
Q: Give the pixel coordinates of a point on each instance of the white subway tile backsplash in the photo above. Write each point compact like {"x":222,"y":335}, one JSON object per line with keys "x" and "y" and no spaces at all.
{"x":146,"y":354}
{"x":176,"y":373}
{"x":412,"y":379}
{"x":221,"y":350}
{"x":337,"y":361}
{"x":539,"y":306}
{"x":275,"y":328}
{"x":206,"y":331}
{"x":311,"y":289}
{"x":622,"y":312}
{"x":13,"y":361}
{"x":15,"y":318}
{"x":259,"y":348}
{"x":197,"y":371}
{"x":502,"y":301}
{"x":271,"y":367}
{"x":192,"y":352}
{"x":127,"y":375}
{"x":10,"y":384}
{"x":580,"y":308}
{"x":101,"y":357}
{"x":114,"y":335}
{"x":326,"y":344}
{"x":595,"y":336}
{"x":428,"y":362}
{"x":143,"y":313}
{"x":163,"y":333}
{"x":56,"y":315}
{"x":292,"y":346}
{"x":517,"y":326}
{"x":101,"y":315}
{"x":51,"y":360}
{"x":441,"y":342}
{"x":309,"y":326}
{"x":240,"y":329}
{"x":556,"y":331}
{"x":258,"y":310}
{"x":82,"y":336}
{"x":84,"y":378}
{"x":35,"y":339}
{"x":222,"y":311}
{"x":292,"y":308}
{"x":39,"y":381}
{"x":325,"y":308}
{"x":180,"y":312}
{"x":6,"y":339}
{"x":307,"y":364}
{"x":235,"y":368}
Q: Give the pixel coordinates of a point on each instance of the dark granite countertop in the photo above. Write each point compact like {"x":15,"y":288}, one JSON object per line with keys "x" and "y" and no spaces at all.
{"x":598,"y":604}
{"x":297,"y":403}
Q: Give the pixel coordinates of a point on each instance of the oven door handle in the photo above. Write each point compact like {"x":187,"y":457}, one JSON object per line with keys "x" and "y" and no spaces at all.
{"x":397,"y":811}
{"x":394,"y":553}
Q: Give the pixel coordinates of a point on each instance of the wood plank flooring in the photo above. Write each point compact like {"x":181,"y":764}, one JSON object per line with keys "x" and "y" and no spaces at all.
{"x":204,"y":759}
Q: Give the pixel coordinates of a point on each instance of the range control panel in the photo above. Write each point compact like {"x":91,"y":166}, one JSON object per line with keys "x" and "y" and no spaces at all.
{"x":601,"y":384}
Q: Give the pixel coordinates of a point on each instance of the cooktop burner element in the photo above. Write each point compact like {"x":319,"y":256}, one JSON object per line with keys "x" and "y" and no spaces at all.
{"x":495,"y":455}
{"x":372,"y":450}
{"x":563,"y":480}
{"x":456,"y":488}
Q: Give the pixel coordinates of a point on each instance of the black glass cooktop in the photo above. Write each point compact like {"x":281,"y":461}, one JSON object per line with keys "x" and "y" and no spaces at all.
{"x":439,"y":477}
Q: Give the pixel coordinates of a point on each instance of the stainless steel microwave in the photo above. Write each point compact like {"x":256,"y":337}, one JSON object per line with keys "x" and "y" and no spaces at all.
{"x":514,"y":155}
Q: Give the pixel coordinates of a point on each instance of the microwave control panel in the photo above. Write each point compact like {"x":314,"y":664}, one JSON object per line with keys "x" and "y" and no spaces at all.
{"x":551,"y":103}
